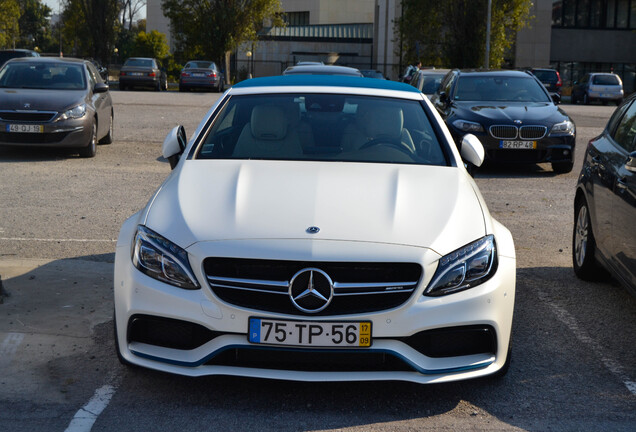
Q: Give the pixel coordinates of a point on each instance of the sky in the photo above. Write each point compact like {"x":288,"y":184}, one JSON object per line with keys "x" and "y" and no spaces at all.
{"x":55,"y":7}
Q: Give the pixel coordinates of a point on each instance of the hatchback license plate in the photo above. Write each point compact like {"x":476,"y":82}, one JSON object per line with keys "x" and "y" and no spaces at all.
{"x":310,"y":333}
{"x":22,"y":128}
{"x":518,"y":145}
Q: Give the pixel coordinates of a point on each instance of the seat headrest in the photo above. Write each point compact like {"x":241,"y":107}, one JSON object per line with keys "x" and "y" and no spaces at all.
{"x":268,"y":122}
{"x":383,"y":121}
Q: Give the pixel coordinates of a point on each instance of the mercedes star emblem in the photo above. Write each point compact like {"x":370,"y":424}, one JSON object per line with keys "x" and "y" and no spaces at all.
{"x":311,"y":290}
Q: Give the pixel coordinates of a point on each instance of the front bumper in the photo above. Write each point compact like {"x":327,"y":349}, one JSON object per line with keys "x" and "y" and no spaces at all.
{"x":68,"y":133}
{"x":548,"y":149}
{"x":224,"y":348}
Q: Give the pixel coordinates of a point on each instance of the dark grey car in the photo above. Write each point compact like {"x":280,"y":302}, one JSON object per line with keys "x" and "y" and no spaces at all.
{"x":54,"y":102}
{"x":143,"y":72}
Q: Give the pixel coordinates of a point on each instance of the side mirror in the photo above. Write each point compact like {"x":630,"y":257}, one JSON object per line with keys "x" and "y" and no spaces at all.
{"x":556,"y":98}
{"x":472,"y":150}
{"x":630,"y":165}
{"x":100,"y":88}
{"x":174,"y":145}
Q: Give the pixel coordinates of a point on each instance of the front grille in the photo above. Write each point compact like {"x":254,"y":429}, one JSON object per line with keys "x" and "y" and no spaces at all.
{"x":503,"y":132}
{"x":532,"y":132}
{"x":359,"y":287}
{"x":32,"y":138}
{"x":310,"y":361}
{"x":28,"y":116}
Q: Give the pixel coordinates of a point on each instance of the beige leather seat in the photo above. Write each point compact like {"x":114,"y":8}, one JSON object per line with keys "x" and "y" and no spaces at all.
{"x":268,"y":135}
{"x":377,"y":123}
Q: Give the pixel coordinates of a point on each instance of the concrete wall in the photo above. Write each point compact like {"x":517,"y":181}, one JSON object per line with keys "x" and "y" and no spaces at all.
{"x":333,"y":11}
{"x":532,"y":47}
{"x":386,"y":43}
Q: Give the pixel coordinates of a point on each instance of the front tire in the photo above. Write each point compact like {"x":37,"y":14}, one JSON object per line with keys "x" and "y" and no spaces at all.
{"x":91,"y":149}
{"x":583,"y":243}
{"x":586,"y":99}
{"x":562,"y":167}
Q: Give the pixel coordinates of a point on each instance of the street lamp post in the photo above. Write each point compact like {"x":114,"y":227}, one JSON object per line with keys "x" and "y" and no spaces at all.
{"x":487,"y":59}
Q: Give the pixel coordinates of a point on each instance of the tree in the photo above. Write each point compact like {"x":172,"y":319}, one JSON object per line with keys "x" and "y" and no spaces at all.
{"x":34,"y":20}
{"x":153,"y":44}
{"x":210,"y":28}
{"x":91,"y":25}
{"x":129,"y":10}
{"x":9,"y":27}
{"x":453,"y":32}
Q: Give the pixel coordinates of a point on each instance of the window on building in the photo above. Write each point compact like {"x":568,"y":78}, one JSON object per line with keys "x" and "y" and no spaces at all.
{"x":296,"y":18}
{"x":610,"y":14}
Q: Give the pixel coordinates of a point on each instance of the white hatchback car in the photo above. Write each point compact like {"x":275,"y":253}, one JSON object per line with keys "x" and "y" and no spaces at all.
{"x":317,"y":228}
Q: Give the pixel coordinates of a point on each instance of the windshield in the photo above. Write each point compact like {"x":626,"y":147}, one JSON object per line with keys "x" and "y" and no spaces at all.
{"x":430,"y":83}
{"x":52,"y":76}
{"x":499,"y":89}
{"x":134,"y":62}
{"x":325,"y":127}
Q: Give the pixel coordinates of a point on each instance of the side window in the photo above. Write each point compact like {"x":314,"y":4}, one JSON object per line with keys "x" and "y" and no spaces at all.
{"x":625,"y":133}
{"x":448,"y":85}
{"x":94,"y":77}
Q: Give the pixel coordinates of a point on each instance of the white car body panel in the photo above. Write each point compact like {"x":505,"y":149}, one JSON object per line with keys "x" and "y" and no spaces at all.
{"x":366,"y":212}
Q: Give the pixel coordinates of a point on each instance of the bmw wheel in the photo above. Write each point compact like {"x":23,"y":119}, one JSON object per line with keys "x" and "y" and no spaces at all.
{"x":583,"y":244}
{"x":91,"y":149}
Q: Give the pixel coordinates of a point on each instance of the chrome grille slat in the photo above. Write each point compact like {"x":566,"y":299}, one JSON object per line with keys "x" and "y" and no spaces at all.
{"x":503,"y":131}
{"x":532,"y":132}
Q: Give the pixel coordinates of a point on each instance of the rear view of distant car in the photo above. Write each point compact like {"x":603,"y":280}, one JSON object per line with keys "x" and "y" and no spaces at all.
{"x":603,"y":87}
{"x":201,"y":74}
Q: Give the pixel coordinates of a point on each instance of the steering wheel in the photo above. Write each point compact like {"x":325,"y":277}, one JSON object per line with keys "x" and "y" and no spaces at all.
{"x":389,"y":142}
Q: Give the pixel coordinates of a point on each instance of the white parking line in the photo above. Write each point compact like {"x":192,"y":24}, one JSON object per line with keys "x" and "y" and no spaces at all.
{"x":86,"y":416}
{"x":566,"y":318}
{"x":58,"y":240}
{"x":9,"y":347}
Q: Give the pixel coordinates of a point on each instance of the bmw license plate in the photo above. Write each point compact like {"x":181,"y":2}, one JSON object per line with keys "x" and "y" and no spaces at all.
{"x":310,"y":333}
{"x":525,"y":145}
{"x":24,"y":128}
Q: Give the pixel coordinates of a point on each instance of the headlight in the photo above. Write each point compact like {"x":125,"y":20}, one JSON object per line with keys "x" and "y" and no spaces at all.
{"x":74,"y":113}
{"x":465,"y":268}
{"x":563,"y":128}
{"x":161,"y":259}
{"x":468,"y":126}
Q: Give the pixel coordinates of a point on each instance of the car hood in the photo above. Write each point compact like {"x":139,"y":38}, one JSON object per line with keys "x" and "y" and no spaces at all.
{"x":422,"y":206}
{"x":528,"y":112}
{"x":40,"y":100}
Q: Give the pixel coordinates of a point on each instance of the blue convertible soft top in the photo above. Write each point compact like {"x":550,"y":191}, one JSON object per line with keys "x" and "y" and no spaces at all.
{"x":325,"y":80}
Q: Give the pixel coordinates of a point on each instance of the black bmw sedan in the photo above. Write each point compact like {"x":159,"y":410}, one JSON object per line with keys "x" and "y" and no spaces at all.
{"x":605,"y":202}
{"x":511,"y":113}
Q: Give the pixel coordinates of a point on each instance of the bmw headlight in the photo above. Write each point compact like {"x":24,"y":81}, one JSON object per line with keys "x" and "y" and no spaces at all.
{"x":468,"y":126}
{"x":464,"y":268}
{"x":74,"y":113}
{"x":564,"y":128}
{"x":161,"y":259}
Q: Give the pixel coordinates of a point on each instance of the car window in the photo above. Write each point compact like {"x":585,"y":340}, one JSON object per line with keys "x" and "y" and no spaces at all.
{"x":93,"y":75}
{"x":605,"y":80}
{"x":33,"y":75}
{"x":625,"y":133}
{"x":430,"y":83}
{"x":500,"y":89}
{"x":447,"y":84}
{"x":545,"y":75}
{"x":200,"y":64}
{"x":323,"y":127}
{"x":138,"y":62}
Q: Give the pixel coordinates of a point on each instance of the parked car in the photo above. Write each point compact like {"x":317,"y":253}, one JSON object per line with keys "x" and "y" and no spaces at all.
{"x":201,"y":74}
{"x":428,"y":80}
{"x":603,"y":87}
{"x":371,"y":73}
{"x":261,"y":255}
{"x":143,"y":72}
{"x":605,"y":202}
{"x":322,"y":70}
{"x":54,"y":102}
{"x":6,"y":55}
{"x":550,"y":78}
{"x":511,"y":113}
